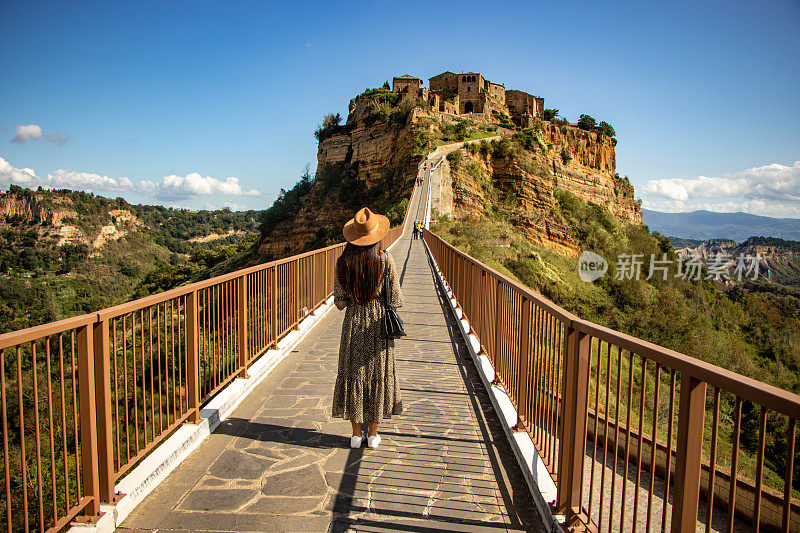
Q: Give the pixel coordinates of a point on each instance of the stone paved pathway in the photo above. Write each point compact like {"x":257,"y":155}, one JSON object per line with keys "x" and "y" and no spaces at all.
{"x":281,"y":463}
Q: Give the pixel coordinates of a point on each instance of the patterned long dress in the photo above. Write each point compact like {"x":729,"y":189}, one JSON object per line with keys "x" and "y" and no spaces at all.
{"x":366,"y":383}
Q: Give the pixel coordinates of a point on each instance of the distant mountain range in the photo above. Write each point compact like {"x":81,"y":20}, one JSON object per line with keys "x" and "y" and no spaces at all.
{"x":703,"y":225}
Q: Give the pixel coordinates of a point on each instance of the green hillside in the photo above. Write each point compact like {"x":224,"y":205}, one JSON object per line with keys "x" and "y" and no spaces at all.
{"x":64,"y":253}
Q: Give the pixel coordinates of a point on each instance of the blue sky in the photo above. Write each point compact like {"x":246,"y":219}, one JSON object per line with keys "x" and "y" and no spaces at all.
{"x":202,"y":104}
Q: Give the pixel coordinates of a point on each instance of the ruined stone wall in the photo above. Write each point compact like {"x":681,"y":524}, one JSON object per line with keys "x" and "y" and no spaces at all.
{"x":399,"y":83}
{"x":520,"y":102}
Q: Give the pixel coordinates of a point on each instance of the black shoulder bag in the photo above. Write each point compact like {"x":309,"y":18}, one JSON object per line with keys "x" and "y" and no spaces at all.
{"x":392,"y":323}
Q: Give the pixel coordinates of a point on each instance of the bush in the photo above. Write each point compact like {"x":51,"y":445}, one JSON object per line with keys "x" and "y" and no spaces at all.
{"x":501,"y":148}
{"x":549,"y":114}
{"x":607,"y":129}
{"x":329,"y":127}
{"x":454,"y":158}
{"x":585,"y":122}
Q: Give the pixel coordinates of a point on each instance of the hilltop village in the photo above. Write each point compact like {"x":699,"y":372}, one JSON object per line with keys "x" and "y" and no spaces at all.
{"x":469,"y":93}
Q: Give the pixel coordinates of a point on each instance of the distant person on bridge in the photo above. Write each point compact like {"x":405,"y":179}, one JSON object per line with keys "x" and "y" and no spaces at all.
{"x":367,"y":389}
{"x":415,"y":234}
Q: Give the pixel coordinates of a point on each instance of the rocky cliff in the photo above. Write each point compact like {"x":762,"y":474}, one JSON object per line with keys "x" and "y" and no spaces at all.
{"x":521,"y":175}
{"x":373,"y":158}
{"x":779,"y":259}
{"x":367,"y":162}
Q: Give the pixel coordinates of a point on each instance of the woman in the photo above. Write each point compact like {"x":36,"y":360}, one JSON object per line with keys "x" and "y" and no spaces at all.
{"x":366,"y":384}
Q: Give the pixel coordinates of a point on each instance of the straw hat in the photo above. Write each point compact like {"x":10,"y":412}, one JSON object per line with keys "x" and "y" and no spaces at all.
{"x":366,"y":228}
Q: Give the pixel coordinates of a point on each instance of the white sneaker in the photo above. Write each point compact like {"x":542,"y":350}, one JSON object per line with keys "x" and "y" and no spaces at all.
{"x":373,"y":441}
{"x":356,"y":441}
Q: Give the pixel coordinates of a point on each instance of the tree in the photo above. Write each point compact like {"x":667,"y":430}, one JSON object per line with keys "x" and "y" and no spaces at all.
{"x":606,"y":128}
{"x":386,"y":85}
{"x":331,"y":120}
{"x":329,"y":123}
{"x":549,"y":114}
{"x":585,"y":122}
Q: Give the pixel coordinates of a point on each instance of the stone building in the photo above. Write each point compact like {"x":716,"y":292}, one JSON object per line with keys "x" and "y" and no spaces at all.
{"x":469,"y":93}
{"x":400,"y":83}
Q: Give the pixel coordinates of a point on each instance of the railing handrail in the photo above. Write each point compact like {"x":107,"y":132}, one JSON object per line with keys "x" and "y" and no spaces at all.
{"x":20,"y":336}
{"x":774,"y":398}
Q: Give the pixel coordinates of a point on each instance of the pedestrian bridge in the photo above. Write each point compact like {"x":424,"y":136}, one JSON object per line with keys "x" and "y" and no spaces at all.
{"x":207,"y":408}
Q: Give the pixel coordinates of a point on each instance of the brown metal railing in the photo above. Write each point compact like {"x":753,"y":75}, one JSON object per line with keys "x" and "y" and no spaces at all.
{"x":85,"y":399}
{"x":635,"y":436}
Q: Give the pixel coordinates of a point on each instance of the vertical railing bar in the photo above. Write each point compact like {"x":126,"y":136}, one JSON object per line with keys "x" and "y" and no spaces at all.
{"x":88,"y":398}
{"x":653,"y":447}
{"x":762,"y":434}
{"x":573,"y":441}
{"x":102,"y":388}
{"x":616,"y":441}
{"x":6,"y":460}
{"x":640,"y":429}
{"x":606,"y":416}
{"x":158,"y":360}
{"x":599,"y":372}
{"x":127,"y":400}
{"x":48,"y":368}
{"x":192,"y":357}
{"x":547,"y":385}
{"x":163,"y":353}
{"x":23,"y":458}
{"x":244,"y":355}
{"x":668,"y":465}
{"x":152,"y":381}
{"x":273,"y":296}
{"x":73,"y":342}
{"x":37,"y":436}
{"x":62,"y":391}
{"x":688,"y":463}
{"x":524,"y":371}
{"x":175,"y":363}
{"x":116,"y":391}
{"x":134,"y":386}
{"x":787,"y":479}
{"x":541,"y":372}
{"x":712,"y":462}
{"x":628,"y":410}
{"x":144,"y":381}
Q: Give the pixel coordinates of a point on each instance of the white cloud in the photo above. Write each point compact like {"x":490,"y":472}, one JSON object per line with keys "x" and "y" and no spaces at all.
{"x":31,"y":132}
{"x":19,"y":176}
{"x":86,"y":181}
{"x":193,"y":184}
{"x":171,"y":187}
{"x":770,"y":190}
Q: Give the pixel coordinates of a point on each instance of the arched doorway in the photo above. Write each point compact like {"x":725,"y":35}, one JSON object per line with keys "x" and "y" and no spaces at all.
{"x":468,"y":107}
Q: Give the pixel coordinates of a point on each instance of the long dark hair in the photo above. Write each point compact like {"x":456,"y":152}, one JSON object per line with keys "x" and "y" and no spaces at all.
{"x":358,"y":270}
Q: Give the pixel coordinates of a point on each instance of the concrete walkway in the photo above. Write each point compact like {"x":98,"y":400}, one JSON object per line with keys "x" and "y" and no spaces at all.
{"x":281,"y":463}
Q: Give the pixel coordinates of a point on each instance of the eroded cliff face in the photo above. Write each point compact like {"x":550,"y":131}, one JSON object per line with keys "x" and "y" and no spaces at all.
{"x":56,"y":216}
{"x":367,"y":164}
{"x":584,"y":163}
{"x":524,"y":181}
